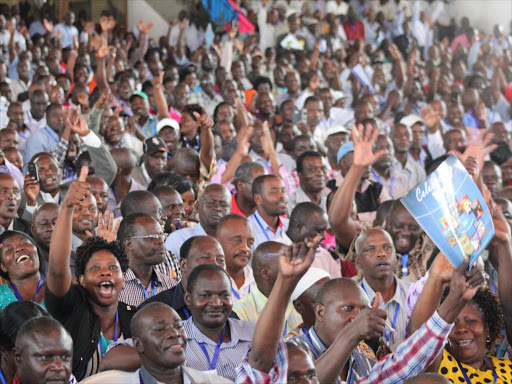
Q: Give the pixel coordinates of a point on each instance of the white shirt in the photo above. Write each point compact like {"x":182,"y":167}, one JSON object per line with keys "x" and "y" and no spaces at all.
{"x":247,"y":286}
{"x":67,"y":33}
{"x":33,"y":124}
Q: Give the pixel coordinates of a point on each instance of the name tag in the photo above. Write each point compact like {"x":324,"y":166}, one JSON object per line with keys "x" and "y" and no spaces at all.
{"x":211,"y":372}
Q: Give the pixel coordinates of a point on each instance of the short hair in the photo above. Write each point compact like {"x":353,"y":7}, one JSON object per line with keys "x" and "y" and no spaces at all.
{"x":37,"y":156}
{"x":94,"y":244}
{"x":299,"y":343}
{"x":383,"y":211}
{"x":8,"y":234}
{"x":187,"y":245}
{"x":311,"y":99}
{"x":13,"y":317}
{"x":261,"y":80}
{"x":191,"y":108}
{"x":300,"y":159}
{"x":52,"y":107}
{"x":161,"y":189}
{"x":128,"y":225}
{"x":200,"y":269}
{"x":331,"y":284}
{"x":219,"y":106}
{"x":232,"y":216}
{"x":37,"y":323}
{"x":135,"y":329}
{"x":244,"y":172}
{"x":303,"y":211}
{"x":134,"y":201}
{"x":299,"y":137}
{"x":257,"y":184}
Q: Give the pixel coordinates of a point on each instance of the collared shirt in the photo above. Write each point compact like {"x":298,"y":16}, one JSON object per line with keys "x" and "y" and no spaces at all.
{"x":114,"y":207}
{"x":11,"y":169}
{"x":396,"y":186}
{"x":301,"y":197}
{"x":399,"y":300}
{"x":134,"y":293}
{"x":414,"y":172}
{"x":177,"y":238}
{"x":149,"y":127}
{"x":231,"y":353}
{"x":44,"y":140}
{"x":283,"y":173}
{"x":75,"y":242}
{"x":170,"y":266}
{"x":235,"y":209}
{"x":18,"y":86}
{"x":247,"y":286}
{"x":263,"y":232}
{"x":67,"y":34}
{"x":33,"y":124}
{"x":250,"y":307}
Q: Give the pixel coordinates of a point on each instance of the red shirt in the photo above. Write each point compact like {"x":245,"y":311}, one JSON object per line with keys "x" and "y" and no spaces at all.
{"x":354,"y":30}
{"x":235,"y":209}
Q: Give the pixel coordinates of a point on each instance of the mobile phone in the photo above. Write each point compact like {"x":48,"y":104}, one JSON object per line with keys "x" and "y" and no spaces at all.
{"x":323,"y":46}
{"x":296,"y":116}
{"x":304,"y":116}
{"x":33,"y":171}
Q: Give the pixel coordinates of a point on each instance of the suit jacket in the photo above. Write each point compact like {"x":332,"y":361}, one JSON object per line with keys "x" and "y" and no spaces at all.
{"x":138,"y":176}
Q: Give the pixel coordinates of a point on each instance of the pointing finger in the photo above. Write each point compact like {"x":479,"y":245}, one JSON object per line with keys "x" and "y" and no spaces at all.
{"x":84,"y":171}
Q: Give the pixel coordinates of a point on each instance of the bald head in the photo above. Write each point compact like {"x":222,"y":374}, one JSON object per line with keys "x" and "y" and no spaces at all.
{"x":125,"y":160}
{"x":213,"y":204}
{"x":363,"y":237}
{"x":186,"y":163}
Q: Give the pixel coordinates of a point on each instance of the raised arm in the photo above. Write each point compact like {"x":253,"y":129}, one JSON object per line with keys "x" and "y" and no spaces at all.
{"x":161,"y":103}
{"x":345,"y":229}
{"x":59,"y":276}
{"x":241,"y":151}
{"x":206,"y":153}
{"x":292,"y":267}
{"x":101,"y":73}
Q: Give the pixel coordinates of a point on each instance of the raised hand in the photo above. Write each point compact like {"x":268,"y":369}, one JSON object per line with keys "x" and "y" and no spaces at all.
{"x":103,"y":49}
{"x":48,"y":25}
{"x":442,"y":268}
{"x":501,"y":227}
{"x":78,"y":190}
{"x":266,"y":140}
{"x":463,"y":285}
{"x":184,"y":24}
{"x":364,"y":139}
{"x":244,"y":138}
{"x":107,"y":228}
{"x":478,"y":147}
{"x":430,"y":117}
{"x":371,"y":321}
{"x":104,"y":100}
{"x":144,"y":27}
{"x":298,"y":258}
{"x":89,"y":27}
{"x":204,"y":120}
{"x":83,"y":99}
{"x":77,"y":124}
{"x":31,"y":188}
{"x":157,"y":81}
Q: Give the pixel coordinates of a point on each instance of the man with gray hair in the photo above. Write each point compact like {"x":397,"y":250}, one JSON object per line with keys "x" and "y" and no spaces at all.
{"x":242,"y":202}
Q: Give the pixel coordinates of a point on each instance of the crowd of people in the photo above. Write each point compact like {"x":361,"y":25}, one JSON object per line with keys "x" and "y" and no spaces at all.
{"x":222,"y":204}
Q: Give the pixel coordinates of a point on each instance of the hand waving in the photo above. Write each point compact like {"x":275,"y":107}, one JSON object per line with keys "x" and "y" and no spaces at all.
{"x":364,"y":139}
{"x":107,"y":229}
{"x":78,"y":190}
{"x":464,"y":285}
{"x":478,"y":147}
{"x":77,"y":124}
{"x":298,"y":258}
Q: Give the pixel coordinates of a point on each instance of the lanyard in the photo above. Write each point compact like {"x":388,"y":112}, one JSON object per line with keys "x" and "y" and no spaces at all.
{"x":379,"y":180}
{"x":468,"y":381}
{"x":387,"y":334}
{"x":115,"y":334}
{"x":152,"y":289}
{"x":405,"y":260}
{"x":285,"y":328}
{"x":213,"y":363}
{"x":263,"y":229}
{"x":2,"y":377}
{"x":187,"y":313}
{"x":188,"y":144}
{"x":140,"y":378}
{"x":15,"y":289}
{"x":235,"y":293}
{"x":52,"y":134}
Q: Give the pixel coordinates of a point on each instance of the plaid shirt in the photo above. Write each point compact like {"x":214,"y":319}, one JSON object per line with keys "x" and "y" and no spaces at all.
{"x":411,"y":358}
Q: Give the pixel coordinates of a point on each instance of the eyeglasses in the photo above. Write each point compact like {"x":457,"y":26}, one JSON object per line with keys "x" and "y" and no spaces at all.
{"x":155,"y":236}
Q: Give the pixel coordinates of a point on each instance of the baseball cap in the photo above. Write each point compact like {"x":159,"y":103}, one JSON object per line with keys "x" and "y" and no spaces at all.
{"x":167,"y":122}
{"x":337,"y":129}
{"x":344,"y":150}
{"x":310,"y":277}
{"x":410,"y":120}
{"x":154,"y":145}
{"x":139,"y":94}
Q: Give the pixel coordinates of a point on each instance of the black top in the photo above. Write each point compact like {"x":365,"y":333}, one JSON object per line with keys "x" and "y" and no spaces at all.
{"x":175,"y":298}
{"x":76,"y":315}
{"x":368,"y":201}
{"x":22,"y":226}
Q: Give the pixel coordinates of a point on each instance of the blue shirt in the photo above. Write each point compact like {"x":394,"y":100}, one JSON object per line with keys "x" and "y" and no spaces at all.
{"x":43,"y":140}
{"x":149,"y":127}
{"x":177,"y":238}
{"x":263,"y":232}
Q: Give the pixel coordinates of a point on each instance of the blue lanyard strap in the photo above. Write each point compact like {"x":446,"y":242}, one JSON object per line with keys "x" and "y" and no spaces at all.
{"x":285,"y":328}
{"x":140,"y":378}
{"x":468,"y":381}
{"x":213,"y":363}
{"x":405,"y":260}
{"x":2,"y":377}
{"x":115,"y":334}
{"x":263,"y":229}
{"x":235,"y":293}
{"x":387,"y":334}
{"x":52,"y":134}
{"x":18,"y":296}
{"x":187,"y":313}
{"x":379,"y":180}
{"x":152,"y":289}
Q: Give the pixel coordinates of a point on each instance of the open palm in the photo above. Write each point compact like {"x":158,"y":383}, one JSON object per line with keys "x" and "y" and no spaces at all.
{"x":298,"y":258}
{"x":364,"y":139}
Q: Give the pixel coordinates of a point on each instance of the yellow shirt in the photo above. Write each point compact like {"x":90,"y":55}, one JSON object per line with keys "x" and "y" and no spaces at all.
{"x":450,"y":369}
{"x":250,"y":307}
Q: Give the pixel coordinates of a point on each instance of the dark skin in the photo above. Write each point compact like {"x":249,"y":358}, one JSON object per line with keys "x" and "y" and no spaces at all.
{"x":313,"y":178}
{"x":144,"y":254}
{"x":172,"y":208}
{"x":99,"y":189}
{"x":377,"y":259}
{"x":404,"y":230}
{"x":43,"y":224}
{"x":38,"y":103}
{"x":300,"y":367}
{"x":155,"y":163}
{"x":210,"y":305}
{"x":50,"y":175}
{"x":213,"y":205}
{"x":160,"y":341}
{"x":125,"y":161}
{"x":305,"y":303}
{"x":401,"y":138}
{"x":271,"y":203}
{"x":244,"y":197}
{"x":10,"y":199}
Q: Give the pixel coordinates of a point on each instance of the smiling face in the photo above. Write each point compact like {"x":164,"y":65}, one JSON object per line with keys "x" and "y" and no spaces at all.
{"x":164,"y":340}
{"x":103,"y":278}
{"x":210,"y":301}
{"x":376,"y":254}
{"x":172,"y":208}
{"x":85,"y":216}
{"x":114,"y":130}
{"x":10,"y":197}
{"x":236,"y":237}
{"x":404,"y":230}
{"x":50,"y":174}
{"x":19,"y":257}
{"x":468,"y":336}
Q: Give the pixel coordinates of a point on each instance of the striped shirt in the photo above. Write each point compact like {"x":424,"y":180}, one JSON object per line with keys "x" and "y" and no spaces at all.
{"x":134,"y":293}
{"x":170,"y":266}
{"x":399,"y":300}
{"x":231,"y":354}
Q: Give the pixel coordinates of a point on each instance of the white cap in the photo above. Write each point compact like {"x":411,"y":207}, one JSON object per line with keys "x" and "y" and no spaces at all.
{"x":311,"y":277}
{"x":410,"y":120}
{"x":337,"y":129}
{"x":167,"y":122}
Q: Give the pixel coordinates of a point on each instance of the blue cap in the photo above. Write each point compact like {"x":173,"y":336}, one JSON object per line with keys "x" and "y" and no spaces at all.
{"x":344,"y":149}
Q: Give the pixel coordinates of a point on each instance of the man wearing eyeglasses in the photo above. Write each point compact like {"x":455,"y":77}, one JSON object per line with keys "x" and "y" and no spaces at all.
{"x":143,"y":240}
{"x":213,"y":204}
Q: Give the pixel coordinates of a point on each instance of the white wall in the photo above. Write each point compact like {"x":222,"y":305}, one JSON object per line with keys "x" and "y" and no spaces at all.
{"x":484,"y":14}
{"x":153,"y":11}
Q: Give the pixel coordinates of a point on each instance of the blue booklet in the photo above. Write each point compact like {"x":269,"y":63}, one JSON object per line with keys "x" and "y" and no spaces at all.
{"x":451,"y":210}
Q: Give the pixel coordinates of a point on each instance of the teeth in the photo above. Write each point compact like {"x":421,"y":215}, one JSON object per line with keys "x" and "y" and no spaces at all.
{"x":106,"y":284}
{"x":22,"y":258}
{"x":464,"y":342}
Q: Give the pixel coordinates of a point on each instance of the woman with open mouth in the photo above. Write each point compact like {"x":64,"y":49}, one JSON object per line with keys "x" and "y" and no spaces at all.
{"x":22,"y":266}
{"x":89,"y":310}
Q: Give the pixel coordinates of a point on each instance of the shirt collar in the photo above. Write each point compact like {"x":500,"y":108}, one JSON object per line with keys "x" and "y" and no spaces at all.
{"x":47,"y":197}
{"x":264,"y":224}
{"x":130,"y":276}
{"x":371,"y":293}
{"x":145,"y":174}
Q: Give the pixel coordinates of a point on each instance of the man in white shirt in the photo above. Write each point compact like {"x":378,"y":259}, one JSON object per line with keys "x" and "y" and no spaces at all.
{"x":35,"y":118}
{"x":68,"y":32}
